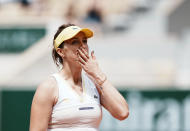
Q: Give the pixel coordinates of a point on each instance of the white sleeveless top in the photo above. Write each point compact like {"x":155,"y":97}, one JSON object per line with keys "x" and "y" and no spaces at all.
{"x":73,"y":112}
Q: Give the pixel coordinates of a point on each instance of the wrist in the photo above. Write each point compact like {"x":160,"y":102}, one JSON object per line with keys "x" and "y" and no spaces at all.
{"x":101,"y":79}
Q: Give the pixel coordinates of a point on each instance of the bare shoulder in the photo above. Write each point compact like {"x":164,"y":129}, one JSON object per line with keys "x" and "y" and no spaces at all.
{"x":46,"y":90}
{"x":48,"y":84}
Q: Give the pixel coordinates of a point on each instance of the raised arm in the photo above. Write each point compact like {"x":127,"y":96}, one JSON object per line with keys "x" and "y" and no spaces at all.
{"x":42,"y":104}
{"x":111,"y":99}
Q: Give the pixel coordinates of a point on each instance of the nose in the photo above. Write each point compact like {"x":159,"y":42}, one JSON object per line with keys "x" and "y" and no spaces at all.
{"x":83,"y":45}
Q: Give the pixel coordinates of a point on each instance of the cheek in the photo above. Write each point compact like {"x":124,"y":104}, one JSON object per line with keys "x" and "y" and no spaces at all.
{"x":73,"y":52}
{"x":70,"y":52}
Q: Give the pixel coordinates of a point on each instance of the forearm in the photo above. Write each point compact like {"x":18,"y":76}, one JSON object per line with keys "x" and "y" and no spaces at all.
{"x":111,"y":99}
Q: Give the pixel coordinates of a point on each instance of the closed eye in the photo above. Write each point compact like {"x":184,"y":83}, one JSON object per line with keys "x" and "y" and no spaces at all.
{"x":84,"y":41}
{"x":75,"y":42}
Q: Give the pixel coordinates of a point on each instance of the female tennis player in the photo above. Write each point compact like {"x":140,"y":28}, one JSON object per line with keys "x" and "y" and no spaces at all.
{"x":72,"y":99}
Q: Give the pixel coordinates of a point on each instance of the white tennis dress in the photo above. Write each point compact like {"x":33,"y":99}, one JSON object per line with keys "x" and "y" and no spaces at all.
{"x":73,"y":112}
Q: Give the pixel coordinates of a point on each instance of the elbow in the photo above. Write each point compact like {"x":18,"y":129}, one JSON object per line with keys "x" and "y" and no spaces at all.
{"x":123,"y":115}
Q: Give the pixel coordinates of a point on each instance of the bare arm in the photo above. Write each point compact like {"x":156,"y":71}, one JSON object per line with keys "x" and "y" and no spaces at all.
{"x":42,"y":104}
{"x":111,"y":99}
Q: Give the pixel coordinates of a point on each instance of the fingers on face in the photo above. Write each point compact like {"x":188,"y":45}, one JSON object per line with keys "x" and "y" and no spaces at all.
{"x":81,"y":60}
{"x":85,"y":52}
{"x":82,"y":55}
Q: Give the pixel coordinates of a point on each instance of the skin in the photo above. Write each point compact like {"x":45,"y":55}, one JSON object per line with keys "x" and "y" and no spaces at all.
{"x":76,"y":57}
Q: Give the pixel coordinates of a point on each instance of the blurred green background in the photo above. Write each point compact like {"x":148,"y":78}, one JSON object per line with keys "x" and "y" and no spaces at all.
{"x":151,"y":110}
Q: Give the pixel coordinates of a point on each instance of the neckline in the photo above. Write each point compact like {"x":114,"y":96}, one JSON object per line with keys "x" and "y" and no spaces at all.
{"x":68,"y":86}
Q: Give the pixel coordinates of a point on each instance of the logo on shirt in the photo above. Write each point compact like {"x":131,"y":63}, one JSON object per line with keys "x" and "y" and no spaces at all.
{"x":86,"y":108}
{"x":95,"y":96}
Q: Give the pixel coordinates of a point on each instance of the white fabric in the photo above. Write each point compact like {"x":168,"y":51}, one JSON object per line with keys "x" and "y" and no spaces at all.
{"x":73,"y":112}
